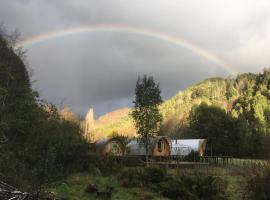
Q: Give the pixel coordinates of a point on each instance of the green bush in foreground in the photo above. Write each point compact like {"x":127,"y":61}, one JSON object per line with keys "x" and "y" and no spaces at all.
{"x":194,"y":188}
{"x":154,"y":175}
{"x":259,"y":186}
{"x":131,"y":177}
{"x":137,"y":176}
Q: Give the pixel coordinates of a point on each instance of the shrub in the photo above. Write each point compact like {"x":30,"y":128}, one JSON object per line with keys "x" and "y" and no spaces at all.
{"x":193,"y":156}
{"x":95,"y":171}
{"x":173,"y":188}
{"x":131,"y":161}
{"x":194,"y":187}
{"x":154,"y":174}
{"x":131,"y":177}
{"x":108,"y":165}
{"x":258,"y":186}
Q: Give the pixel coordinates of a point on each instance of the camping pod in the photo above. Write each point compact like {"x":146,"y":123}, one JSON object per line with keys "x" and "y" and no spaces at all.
{"x":186,"y":146}
{"x":159,"y":147}
{"x":111,"y":146}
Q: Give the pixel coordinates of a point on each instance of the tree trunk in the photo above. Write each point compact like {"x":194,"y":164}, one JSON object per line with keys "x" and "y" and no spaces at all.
{"x":146,"y":151}
{"x":147,"y":161}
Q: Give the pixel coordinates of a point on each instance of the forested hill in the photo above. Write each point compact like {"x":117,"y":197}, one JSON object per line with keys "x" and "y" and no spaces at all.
{"x":246,"y":95}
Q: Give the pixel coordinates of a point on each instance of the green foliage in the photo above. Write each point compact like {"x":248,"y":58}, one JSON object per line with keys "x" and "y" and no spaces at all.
{"x":73,"y":188}
{"x":40,"y":146}
{"x":108,"y":165}
{"x":146,"y":112}
{"x":138,"y":176}
{"x":154,"y":174}
{"x":124,"y":139}
{"x":194,"y":187}
{"x":239,"y":128}
{"x":259,"y":185}
{"x":193,"y":156}
{"x":131,"y":161}
{"x":131,"y":177}
{"x":215,"y":125}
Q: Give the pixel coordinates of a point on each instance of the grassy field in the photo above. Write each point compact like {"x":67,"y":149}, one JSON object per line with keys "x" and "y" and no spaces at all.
{"x":73,"y":188}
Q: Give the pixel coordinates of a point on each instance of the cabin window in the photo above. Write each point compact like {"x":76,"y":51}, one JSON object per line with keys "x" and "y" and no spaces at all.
{"x":160,"y":146}
{"x":114,"y":148}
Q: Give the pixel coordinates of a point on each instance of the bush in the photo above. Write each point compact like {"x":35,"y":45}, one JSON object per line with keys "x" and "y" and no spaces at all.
{"x":193,"y":156}
{"x":131,"y":161}
{"x":258,"y":186}
{"x":194,"y":187}
{"x":173,"y":188}
{"x":108,"y":165}
{"x":154,"y":174}
{"x":131,"y":177}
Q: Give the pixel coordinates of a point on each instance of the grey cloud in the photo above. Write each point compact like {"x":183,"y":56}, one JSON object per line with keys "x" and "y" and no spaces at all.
{"x":100,"y":69}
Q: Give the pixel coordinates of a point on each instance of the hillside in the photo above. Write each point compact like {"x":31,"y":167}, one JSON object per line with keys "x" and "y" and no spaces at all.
{"x":117,"y":121}
{"x":222,"y":92}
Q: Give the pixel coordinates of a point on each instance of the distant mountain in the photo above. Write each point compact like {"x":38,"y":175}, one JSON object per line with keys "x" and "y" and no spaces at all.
{"x":117,"y":121}
{"x":225,"y":93}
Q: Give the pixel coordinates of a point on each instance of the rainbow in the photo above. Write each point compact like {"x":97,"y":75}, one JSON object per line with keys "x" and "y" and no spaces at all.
{"x":128,"y":30}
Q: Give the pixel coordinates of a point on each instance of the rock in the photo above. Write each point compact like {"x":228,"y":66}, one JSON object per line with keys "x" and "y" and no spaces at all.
{"x":91,"y":188}
{"x":107,"y":194}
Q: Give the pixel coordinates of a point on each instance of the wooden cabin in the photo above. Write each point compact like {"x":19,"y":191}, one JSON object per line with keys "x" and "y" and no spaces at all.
{"x":111,"y":146}
{"x":186,"y":146}
{"x":159,"y":147}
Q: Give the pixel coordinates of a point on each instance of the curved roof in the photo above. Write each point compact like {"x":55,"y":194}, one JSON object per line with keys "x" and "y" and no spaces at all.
{"x":135,"y":147}
{"x":185,"y":146}
{"x":101,"y":144}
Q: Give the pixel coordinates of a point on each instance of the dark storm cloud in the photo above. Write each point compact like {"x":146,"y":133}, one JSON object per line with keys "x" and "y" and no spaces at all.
{"x":100,"y":69}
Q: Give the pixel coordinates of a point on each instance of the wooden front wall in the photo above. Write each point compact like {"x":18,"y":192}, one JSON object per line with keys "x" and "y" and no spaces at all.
{"x":202,"y":147}
{"x":114,"y":148}
{"x":162,"y":148}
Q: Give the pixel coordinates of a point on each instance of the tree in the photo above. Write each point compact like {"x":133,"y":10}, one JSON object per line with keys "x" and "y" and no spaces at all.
{"x":215,"y":125}
{"x":36,"y":145}
{"x":146,"y":113}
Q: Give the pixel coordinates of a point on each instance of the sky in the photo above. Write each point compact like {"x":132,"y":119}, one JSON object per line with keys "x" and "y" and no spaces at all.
{"x":100,"y":69}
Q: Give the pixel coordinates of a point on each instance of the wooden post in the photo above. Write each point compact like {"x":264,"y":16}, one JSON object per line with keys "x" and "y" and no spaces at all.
{"x":177,"y":167}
